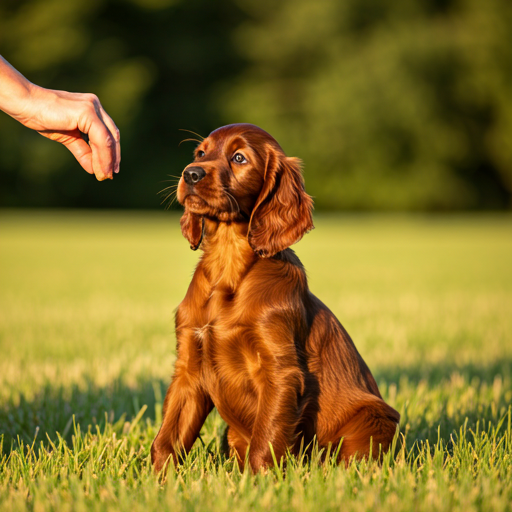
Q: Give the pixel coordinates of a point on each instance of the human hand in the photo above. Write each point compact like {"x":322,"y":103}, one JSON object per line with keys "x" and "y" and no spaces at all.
{"x":63,"y":117}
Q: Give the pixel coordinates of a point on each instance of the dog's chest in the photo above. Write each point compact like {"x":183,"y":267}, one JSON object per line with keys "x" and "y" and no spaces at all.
{"x":230,"y":357}
{"x":216,"y":330}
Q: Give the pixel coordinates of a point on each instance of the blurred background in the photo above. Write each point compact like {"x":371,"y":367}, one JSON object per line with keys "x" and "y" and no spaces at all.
{"x":392,"y":105}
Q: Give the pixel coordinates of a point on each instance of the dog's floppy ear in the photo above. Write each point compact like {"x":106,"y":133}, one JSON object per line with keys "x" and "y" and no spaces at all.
{"x":192,"y":228}
{"x":283,"y":211}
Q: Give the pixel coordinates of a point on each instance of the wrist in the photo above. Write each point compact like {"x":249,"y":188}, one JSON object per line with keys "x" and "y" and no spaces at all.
{"x":23,"y":104}
{"x":16,"y":92}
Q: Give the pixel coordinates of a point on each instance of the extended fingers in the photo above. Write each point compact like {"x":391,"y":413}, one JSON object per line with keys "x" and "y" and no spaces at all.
{"x":103,"y":151}
{"x":115,"y":133}
{"x":103,"y":139}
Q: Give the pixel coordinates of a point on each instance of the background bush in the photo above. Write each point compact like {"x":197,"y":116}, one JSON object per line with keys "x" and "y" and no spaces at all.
{"x":391,"y":104}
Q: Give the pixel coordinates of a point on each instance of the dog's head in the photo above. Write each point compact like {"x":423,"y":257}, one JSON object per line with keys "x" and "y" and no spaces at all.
{"x":241,"y":174}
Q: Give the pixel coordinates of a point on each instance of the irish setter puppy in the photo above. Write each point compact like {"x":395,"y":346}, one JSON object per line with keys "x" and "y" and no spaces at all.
{"x":252,"y":340}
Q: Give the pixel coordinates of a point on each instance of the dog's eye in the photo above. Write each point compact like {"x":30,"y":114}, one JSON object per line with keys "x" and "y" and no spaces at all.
{"x":239,"y":158}
{"x":200,"y":154}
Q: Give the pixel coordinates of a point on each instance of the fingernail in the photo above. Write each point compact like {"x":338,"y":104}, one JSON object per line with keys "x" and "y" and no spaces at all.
{"x":117,"y":169}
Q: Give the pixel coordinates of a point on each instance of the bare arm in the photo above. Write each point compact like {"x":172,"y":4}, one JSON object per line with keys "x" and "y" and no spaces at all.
{"x":61,"y":116}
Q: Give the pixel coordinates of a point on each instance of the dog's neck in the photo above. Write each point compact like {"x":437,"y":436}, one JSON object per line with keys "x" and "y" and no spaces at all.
{"x":227,"y":254}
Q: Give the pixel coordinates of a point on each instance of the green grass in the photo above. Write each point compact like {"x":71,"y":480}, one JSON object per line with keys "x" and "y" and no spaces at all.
{"x":87,"y":351}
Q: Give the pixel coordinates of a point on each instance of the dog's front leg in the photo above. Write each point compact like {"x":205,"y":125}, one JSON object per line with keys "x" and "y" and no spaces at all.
{"x":276,"y":419}
{"x":186,"y":407}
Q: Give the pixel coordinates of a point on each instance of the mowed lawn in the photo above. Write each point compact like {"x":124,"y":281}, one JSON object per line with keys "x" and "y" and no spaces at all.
{"x":87,"y":351}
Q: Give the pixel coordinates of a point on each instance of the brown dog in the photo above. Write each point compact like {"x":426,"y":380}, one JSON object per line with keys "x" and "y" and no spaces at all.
{"x":253,"y":341}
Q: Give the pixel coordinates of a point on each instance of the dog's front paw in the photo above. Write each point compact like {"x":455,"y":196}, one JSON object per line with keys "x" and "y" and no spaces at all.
{"x":159,"y":457}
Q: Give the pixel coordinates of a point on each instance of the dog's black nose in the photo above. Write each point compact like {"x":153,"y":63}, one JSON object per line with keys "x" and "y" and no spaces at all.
{"x":192,"y":175}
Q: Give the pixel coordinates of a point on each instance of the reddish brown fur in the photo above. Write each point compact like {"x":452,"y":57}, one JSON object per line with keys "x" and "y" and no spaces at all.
{"x":253,"y":341}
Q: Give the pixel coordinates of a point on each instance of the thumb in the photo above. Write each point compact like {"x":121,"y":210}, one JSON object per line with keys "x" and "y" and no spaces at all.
{"x":76,"y":144}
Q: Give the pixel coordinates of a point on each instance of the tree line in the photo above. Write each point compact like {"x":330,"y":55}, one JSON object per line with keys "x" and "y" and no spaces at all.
{"x":392,"y":105}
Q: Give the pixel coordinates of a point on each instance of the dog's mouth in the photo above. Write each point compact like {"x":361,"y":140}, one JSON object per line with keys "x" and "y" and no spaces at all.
{"x":226,"y":209}
{"x":195,"y":204}
{"x":192,"y":200}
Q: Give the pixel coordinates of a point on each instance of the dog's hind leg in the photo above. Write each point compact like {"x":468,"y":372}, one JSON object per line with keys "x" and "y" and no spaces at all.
{"x":371,"y":429}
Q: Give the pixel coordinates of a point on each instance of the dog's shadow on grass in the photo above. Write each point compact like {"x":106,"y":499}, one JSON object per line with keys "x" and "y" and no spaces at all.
{"x":436,"y":400}
{"x":433,"y":374}
{"x":59,"y":409}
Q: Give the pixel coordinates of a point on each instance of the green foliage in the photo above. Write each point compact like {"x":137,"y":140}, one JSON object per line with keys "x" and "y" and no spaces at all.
{"x":87,"y":300}
{"x":394,"y":105}
{"x":151,"y":62}
{"x":391,"y":104}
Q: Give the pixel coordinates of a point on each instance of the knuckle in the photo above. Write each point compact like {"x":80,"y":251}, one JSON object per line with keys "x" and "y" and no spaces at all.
{"x":92,"y":98}
{"x":90,"y":105}
{"x":109,"y":141}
